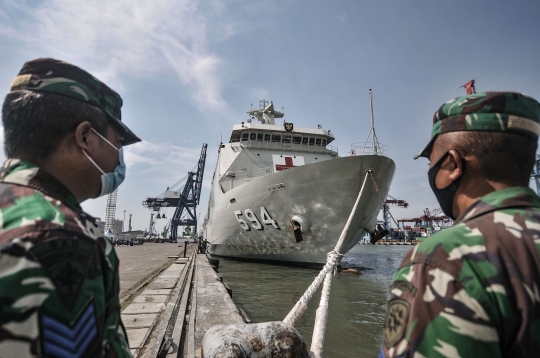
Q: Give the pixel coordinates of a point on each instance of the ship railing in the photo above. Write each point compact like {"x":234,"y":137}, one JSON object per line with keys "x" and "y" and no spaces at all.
{"x":294,"y":147}
{"x":369,"y":148}
{"x":254,"y":173}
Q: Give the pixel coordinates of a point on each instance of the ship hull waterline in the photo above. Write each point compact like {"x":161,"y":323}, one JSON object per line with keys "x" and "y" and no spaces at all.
{"x":322,"y":193}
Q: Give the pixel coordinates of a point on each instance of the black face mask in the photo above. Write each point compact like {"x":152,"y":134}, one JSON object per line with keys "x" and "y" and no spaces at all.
{"x":445,"y":196}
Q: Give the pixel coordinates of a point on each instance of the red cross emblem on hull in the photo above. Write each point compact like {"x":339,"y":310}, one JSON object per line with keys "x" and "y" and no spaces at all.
{"x":288,"y":165}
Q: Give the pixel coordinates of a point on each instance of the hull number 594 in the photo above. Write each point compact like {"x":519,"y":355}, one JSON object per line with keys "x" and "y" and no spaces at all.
{"x":254,"y":222}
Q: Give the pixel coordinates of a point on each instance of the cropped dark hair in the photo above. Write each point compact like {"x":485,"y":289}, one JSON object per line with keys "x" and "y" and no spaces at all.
{"x":502,"y":157}
{"x":36,"y":122}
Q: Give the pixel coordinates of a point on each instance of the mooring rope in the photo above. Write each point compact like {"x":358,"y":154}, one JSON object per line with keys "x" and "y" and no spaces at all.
{"x":321,"y":317}
{"x":326,"y":273}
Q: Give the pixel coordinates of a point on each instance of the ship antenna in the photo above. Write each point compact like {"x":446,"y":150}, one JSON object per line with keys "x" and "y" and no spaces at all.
{"x":375,"y":143}
{"x":220,"y":135}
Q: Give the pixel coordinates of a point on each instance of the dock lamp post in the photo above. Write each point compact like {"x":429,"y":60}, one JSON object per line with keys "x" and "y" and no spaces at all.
{"x":124,"y":221}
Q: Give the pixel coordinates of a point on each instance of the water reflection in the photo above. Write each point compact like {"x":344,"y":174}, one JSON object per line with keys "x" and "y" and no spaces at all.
{"x":357,"y":303}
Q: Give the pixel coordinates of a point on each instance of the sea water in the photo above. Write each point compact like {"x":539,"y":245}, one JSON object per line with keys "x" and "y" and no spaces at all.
{"x":357,"y":307}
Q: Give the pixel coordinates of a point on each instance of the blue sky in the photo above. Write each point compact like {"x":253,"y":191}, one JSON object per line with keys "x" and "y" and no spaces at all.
{"x":188,"y":70}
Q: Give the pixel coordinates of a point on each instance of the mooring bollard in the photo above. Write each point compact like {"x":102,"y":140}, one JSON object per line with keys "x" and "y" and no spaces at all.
{"x":269,"y":339}
{"x":213,"y":262}
{"x":185,"y":248}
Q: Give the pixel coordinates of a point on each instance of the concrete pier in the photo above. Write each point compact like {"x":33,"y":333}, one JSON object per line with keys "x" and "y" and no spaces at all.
{"x":148,"y":277}
{"x":171,"y":305}
{"x":139,"y":262}
{"x":214,"y":305}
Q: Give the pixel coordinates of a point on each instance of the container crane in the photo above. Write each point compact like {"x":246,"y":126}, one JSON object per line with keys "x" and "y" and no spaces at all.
{"x":431,"y":218}
{"x":184,"y":199}
{"x":391,"y":201}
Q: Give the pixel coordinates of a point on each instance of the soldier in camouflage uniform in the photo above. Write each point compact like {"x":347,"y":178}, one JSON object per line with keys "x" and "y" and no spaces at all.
{"x":472,"y":290}
{"x":59,"y":281}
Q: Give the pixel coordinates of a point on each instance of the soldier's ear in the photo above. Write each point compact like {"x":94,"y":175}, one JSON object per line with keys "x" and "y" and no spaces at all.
{"x":83,"y":138}
{"x":456,"y":164}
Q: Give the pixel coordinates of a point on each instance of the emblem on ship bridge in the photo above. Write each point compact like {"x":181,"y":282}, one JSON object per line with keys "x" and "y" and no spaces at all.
{"x":288,"y":126}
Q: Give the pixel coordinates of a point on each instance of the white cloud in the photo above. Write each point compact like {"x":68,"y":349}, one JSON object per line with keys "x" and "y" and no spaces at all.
{"x":161,"y":162}
{"x":259,"y":93}
{"x":125,"y":38}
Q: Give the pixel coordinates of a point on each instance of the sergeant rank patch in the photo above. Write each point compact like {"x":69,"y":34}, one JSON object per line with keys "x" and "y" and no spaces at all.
{"x":60,"y":339}
{"x":396,"y":320}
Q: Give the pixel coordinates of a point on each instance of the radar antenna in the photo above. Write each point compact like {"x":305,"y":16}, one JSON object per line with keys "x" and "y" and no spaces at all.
{"x":266,"y":114}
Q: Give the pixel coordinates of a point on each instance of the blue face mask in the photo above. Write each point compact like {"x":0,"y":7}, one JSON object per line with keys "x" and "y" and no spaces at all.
{"x":110,"y":181}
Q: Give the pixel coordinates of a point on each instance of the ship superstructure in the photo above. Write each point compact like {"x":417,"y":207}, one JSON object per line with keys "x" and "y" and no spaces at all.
{"x":282,"y":193}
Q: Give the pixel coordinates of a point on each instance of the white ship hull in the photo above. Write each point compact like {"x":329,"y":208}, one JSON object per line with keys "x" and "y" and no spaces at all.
{"x":321,"y":192}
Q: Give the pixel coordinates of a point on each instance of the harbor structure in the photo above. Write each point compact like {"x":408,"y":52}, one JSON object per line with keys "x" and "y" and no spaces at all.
{"x":184,"y":196}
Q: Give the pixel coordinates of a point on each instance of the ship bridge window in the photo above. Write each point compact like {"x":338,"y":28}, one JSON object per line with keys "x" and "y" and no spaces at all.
{"x":253,"y":136}
{"x":296,"y":140}
{"x":245,"y":136}
{"x":260,"y":136}
{"x":286,"y":139}
{"x":304,"y":140}
{"x":324,"y":142}
{"x":267,"y":137}
{"x":318,"y":141}
{"x":311,"y":141}
{"x":276,"y":138}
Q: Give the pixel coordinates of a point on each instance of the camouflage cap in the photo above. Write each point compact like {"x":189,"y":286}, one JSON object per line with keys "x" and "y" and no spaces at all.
{"x":510,"y":112}
{"x":49,"y":75}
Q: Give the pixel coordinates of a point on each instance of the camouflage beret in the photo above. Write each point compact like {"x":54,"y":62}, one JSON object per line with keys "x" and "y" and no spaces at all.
{"x":49,"y":75}
{"x":510,"y":112}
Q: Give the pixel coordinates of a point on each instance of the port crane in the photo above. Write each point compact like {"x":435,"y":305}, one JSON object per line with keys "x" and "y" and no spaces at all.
{"x":110,"y":210}
{"x":185,"y":199}
{"x":391,"y":201}
{"x":383,"y":231}
{"x":431,"y":218}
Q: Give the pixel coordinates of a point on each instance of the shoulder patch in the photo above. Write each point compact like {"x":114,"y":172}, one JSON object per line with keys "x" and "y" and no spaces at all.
{"x":404,"y":286}
{"x":396,"y":321}
{"x":59,"y":339}
{"x":66,"y":261}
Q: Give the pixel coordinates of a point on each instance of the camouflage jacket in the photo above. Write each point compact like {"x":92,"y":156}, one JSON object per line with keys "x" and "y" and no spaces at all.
{"x":59,"y":281}
{"x":472,"y":290}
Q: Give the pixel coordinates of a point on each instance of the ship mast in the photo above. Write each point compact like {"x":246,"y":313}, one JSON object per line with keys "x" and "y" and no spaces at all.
{"x":375,"y":142}
{"x":266,"y":113}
